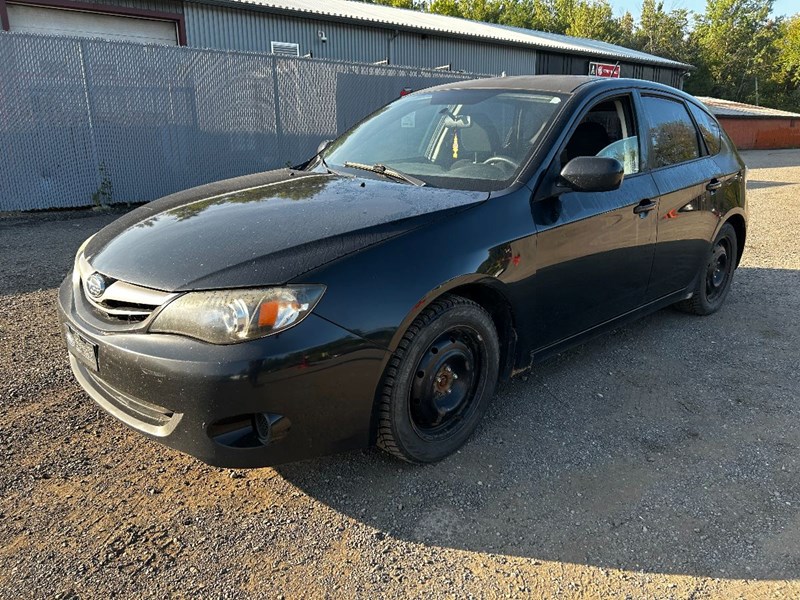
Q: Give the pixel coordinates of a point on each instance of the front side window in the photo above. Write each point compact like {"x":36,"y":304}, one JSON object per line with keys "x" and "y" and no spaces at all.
{"x":462,"y":139}
{"x":709,"y":129}
{"x":607,"y":130}
{"x":672,"y":132}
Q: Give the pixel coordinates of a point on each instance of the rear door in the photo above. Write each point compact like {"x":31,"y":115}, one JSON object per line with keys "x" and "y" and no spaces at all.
{"x":725,"y":189}
{"x":595,"y":250}
{"x":685,"y":175}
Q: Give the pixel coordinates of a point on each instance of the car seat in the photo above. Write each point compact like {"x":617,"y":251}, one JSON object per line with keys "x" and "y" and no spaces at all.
{"x":589,"y":138}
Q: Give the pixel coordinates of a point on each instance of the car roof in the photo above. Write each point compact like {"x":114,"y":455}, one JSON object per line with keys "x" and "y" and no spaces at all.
{"x":563,"y":84}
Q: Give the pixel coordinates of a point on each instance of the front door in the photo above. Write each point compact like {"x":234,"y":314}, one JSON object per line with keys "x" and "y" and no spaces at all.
{"x":594,"y":251}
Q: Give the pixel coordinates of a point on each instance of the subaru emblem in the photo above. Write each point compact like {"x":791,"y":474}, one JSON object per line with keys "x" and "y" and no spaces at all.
{"x":95,"y":285}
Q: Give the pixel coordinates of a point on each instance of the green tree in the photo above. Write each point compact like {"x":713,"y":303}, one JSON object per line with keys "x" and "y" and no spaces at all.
{"x":663,"y":33}
{"x":789,"y":50}
{"x":476,"y":10}
{"x":735,"y":41}
{"x":627,"y":30}
{"x":553,"y":16}
{"x":782,"y":90}
{"x":522,"y":13}
{"x":580,"y":18}
{"x":396,"y":3}
{"x":594,"y":19}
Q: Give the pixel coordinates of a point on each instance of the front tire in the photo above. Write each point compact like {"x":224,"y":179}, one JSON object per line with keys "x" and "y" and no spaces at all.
{"x":716,"y":276}
{"x":439,"y":383}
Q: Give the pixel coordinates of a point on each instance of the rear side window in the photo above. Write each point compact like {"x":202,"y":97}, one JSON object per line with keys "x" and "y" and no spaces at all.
{"x":672,"y":132}
{"x":708,"y":129}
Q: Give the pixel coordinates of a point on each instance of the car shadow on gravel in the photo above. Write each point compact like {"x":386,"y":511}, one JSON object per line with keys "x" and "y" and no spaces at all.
{"x":669,"y":445}
{"x":758,"y":185}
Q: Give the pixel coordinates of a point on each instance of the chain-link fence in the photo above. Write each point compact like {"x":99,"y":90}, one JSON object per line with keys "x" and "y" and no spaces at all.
{"x":87,"y":122}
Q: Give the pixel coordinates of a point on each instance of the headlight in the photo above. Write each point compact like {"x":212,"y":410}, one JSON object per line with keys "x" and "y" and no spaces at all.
{"x":230,"y":316}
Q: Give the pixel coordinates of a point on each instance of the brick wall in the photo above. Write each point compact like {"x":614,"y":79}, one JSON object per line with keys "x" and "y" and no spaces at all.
{"x":762,"y":134}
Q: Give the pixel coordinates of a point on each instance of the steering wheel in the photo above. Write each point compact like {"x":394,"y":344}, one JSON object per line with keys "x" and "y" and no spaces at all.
{"x":502,"y":159}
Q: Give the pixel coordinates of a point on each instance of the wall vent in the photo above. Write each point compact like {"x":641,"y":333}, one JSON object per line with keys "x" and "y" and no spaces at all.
{"x":285,"y":48}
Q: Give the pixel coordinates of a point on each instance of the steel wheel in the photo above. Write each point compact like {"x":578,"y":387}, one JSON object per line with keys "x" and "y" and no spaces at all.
{"x":439,"y":382}
{"x":716,"y":275}
{"x":445,"y":381}
{"x":718,"y":270}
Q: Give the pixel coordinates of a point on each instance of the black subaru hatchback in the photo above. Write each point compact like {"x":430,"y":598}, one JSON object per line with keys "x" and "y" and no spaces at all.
{"x":378,"y":293}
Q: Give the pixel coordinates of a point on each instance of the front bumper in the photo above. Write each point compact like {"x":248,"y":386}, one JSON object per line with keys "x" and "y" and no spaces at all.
{"x":314,"y":383}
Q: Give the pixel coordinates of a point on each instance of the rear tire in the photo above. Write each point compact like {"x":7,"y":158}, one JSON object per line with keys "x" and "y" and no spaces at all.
{"x":716,"y":275}
{"x":439,"y":382}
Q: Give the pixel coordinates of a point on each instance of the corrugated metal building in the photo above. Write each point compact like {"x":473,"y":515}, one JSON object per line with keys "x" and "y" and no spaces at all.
{"x":334,"y":29}
{"x":756,"y":127}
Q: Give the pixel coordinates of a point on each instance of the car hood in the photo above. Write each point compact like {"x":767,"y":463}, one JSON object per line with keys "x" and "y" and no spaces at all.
{"x":262,"y":229}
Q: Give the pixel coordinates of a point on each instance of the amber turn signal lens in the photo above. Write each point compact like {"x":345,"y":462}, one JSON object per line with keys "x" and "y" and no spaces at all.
{"x":268,"y":314}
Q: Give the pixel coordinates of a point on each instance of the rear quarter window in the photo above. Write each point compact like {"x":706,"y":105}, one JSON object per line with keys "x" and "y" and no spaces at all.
{"x":709,"y":129}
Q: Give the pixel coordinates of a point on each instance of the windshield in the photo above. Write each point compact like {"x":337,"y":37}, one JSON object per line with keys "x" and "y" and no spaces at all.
{"x":460,"y":139}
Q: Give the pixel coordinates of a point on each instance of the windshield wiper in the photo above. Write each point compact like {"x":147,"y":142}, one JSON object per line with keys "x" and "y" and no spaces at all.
{"x":387,"y":172}
{"x":327,"y":168}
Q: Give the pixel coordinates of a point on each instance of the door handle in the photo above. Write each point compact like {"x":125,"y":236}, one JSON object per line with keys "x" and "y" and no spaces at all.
{"x":713,"y":185}
{"x":644,"y":207}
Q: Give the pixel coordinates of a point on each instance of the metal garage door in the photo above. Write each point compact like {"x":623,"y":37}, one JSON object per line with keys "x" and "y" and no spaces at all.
{"x":56,"y":21}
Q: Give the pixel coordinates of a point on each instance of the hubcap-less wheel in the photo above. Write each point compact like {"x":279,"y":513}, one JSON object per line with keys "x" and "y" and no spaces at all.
{"x":716,"y":274}
{"x":439,"y":381}
{"x":444,"y":383}
{"x":719,"y":267}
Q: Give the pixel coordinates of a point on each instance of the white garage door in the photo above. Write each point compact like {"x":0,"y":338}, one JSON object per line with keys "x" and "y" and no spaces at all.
{"x":56,"y":21}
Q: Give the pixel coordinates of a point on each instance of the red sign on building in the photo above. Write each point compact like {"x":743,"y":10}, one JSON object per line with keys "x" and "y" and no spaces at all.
{"x":603,"y":70}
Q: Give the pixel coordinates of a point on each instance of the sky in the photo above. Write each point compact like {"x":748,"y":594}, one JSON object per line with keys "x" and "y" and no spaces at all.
{"x":782,"y":7}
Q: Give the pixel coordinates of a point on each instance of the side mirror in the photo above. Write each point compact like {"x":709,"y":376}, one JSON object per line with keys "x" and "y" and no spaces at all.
{"x":593,"y":174}
{"x":322,"y":145}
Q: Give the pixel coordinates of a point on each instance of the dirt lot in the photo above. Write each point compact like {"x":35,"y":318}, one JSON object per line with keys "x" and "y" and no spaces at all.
{"x":660,"y":461}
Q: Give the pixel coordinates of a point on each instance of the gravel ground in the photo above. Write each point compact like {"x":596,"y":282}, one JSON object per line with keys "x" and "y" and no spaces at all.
{"x":660,"y":461}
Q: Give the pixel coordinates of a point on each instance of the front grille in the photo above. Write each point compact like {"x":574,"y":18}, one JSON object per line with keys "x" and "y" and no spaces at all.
{"x":120,"y":302}
{"x":125,"y":311}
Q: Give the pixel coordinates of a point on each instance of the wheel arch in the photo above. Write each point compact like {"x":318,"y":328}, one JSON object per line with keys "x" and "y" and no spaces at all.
{"x":487,"y":292}
{"x":740,"y":227}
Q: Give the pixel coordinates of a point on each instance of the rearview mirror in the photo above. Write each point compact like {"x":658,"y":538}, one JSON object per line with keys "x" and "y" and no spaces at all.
{"x":457,"y":121}
{"x":593,"y":174}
